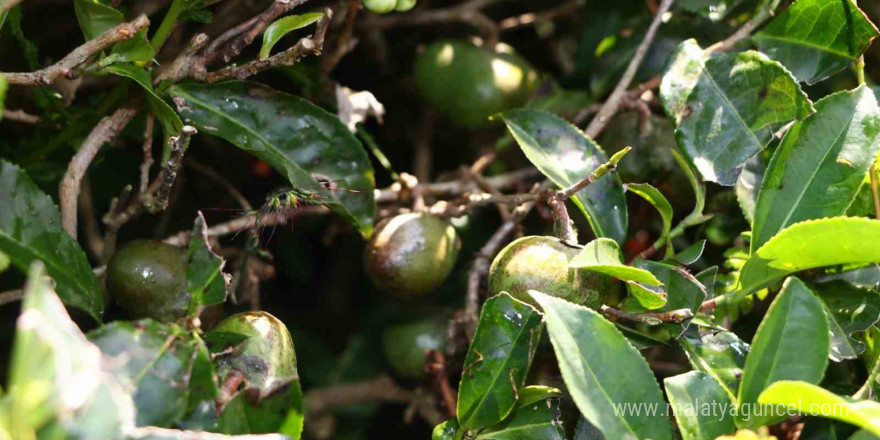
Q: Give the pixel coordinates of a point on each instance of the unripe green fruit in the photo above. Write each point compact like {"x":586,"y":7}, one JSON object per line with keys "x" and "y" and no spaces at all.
{"x":380,"y":6}
{"x":411,"y":254}
{"x":469,"y":83}
{"x":541,"y":263}
{"x":266,"y":355}
{"x":405,"y":345}
{"x":148,"y":279}
{"x":404,"y":5}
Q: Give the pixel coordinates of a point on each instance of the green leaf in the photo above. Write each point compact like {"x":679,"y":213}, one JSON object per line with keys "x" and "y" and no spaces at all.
{"x":498,"y":361}
{"x":659,"y":202}
{"x":57,"y":381}
{"x":720,"y":354}
{"x":284,"y":26}
{"x":30,"y":229}
{"x":95,"y":18}
{"x":691,"y":254}
{"x":689,"y":394}
{"x":811,"y":244}
{"x":603,"y":372}
{"x":794,"y":325}
{"x":168,"y":118}
{"x":867,"y":277}
{"x":603,"y":255}
{"x":3,"y":86}
{"x":535,"y":393}
{"x":809,"y":399}
{"x":748,"y":185}
{"x":153,"y":363}
{"x":849,"y":309}
{"x":566,"y":156}
{"x":447,"y":430}
{"x":205,"y":280}
{"x":300,"y":140}
{"x":820,"y":164}
{"x":726,"y":107}
{"x":255,"y":411}
{"x":537,"y":421}
{"x":815,"y":39}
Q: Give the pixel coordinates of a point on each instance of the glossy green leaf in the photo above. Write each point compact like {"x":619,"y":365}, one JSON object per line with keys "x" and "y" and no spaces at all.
{"x":726,"y":107}
{"x":255,"y":411}
{"x":691,"y":254}
{"x":603,"y":372}
{"x":535,"y":393}
{"x":795,"y":323}
{"x":95,"y":17}
{"x":284,"y":26}
{"x":498,"y":361}
{"x":815,"y":39}
{"x":867,"y":277}
{"x":720,"y":354}
{"x":30,"y":229}
{"x":153,"y":363}
{"x":659,"y":202}
{"x":809,"y":399}
{"x":536,"y":421}
{"x":57,"y":378}
{"x":820,"y":163}
{"x":565,"y":155}
{"x":302,"y":141}
{"x":689,"y":394}
{"x":205,"y":280}
{"x":811,"y":244}
{"x":168,"y":118}
{"x":748,"y":185}
{"x":448,"y":430}
{"x":849,"y":309}
{"x":603,"y":255}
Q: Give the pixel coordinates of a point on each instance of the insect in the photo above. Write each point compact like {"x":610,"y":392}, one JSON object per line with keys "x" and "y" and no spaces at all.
{"x":280,"y":202}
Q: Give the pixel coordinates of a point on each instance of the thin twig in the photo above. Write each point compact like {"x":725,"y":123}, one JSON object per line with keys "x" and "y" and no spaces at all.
{"x":156,"y":198}
{"x":248,"y":221}
{"x":344,"y":42}
{"x":459,"y":187}
{"x":68,"y":192}
{"x":380,"y":389}
{"x":10,"y":296}
{"x":676,"y":316}
{"x":609,"y":109}
{"x":467,"y":12}
{"x":228,"y":187}
{"x":534,"y":17}
{"x":291,"y":56}
{"x":148,"y":152}
{"x":65,"y":67}
{"x":21,"y":116}
{"x":241,"y":36}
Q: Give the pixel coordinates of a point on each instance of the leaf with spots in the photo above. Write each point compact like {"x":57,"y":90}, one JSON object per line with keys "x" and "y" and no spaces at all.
{"x":726,"y":107}
{"x":498,"y":361}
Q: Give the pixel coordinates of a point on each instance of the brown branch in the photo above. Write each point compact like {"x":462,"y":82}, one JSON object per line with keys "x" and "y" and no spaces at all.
{"x":534,"y":17}
{"x":291,"y":56}
{"x":248,"y":221}
{"x":380,"y":389}
{"x":454,"y":188}
{"x":21,"y":116}
{"x":228,"y":45}
{"x":156,"y":198}
{"x":467,"y":12}
{"x":68,"y":192}
{"x":676,"y":316}
{"x":10,"y":296}
{"x":148,"y":152}
{"x":344,"y":42}
{"x":609,"y":109}
{"x":65,"y":67}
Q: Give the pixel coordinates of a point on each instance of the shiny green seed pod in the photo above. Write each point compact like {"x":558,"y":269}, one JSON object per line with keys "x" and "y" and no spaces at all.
{"x":147,"y":279}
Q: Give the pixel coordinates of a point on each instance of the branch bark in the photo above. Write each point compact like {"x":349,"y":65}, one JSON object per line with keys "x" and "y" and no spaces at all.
{"x":65,"y":67}
{"x":68,"y":192}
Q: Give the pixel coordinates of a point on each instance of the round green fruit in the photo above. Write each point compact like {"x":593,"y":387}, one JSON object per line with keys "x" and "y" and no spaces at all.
{"x":266,"y":353}
{"x":411,"y":254}
{"x":148,"y":279}
{"x":380,"y":6}
{"x":405,"y":345}
{"x":469,"y":84}
{"x":404,"y":5}
{"x":541,"y":263}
